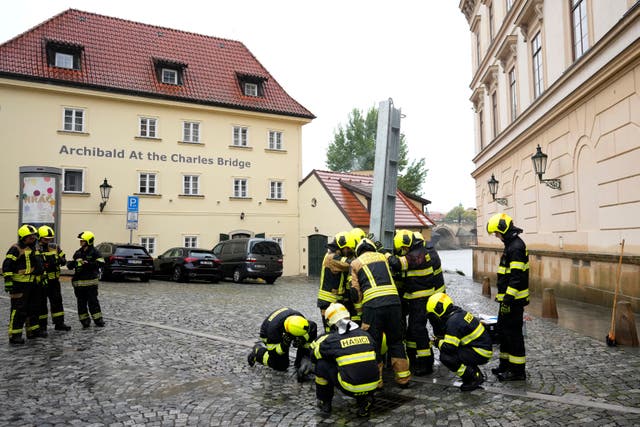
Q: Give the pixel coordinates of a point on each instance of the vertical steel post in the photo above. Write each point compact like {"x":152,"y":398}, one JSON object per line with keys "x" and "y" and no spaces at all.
{"x":385,"y":174}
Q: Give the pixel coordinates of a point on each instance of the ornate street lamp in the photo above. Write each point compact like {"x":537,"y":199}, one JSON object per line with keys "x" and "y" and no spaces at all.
{"x":105,"y":191}
{"x":493,"y":190}
{"x":540,"y":166}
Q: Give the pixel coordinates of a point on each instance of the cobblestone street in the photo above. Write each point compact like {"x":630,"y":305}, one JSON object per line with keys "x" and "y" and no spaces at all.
{"x":174,"y":354}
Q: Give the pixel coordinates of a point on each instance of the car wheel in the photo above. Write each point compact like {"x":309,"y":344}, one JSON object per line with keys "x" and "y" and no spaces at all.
{"x":103,"y":275}
{"x":237,"y":276}
{"x":177,"y":274}
{"x":145,"y":278}
{"x":271,"y":280}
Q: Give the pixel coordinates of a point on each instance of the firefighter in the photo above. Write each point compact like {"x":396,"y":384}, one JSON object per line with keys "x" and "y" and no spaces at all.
{"x":334,"y":276}
{"x":513,"y":296}
{"x":421,"y":272}
{"x":465,"y":343}
{"x":20,"y":269}
{"x":280,"y":330}
{"x":87,"y":263}
{"x":53,"y":258}
{"x":372,"y":284}
{"x":358,"y":234}
{"x":345,"y":358}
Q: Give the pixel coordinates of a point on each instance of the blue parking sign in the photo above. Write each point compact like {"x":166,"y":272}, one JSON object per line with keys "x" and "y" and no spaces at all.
{"x":132,"y":204}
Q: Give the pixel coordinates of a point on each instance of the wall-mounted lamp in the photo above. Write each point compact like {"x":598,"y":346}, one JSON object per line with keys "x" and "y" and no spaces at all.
{"x":315,"y":229}
{"x":540,"y":166}
{"x":314,"y":202}
{"x":241,"y":215}
{"x":493,"y":189}
{"x":105,"y":191}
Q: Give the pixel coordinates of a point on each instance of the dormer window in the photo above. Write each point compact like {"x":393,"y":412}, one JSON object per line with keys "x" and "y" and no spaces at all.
{"x":170,"y":76}
{"x":251,"y":85}
{"x":63,"y":55}
{"x":251,"y":89}
{"x":169,"y":72}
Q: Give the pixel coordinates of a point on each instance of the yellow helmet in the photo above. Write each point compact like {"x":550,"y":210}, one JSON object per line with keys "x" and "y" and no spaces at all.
{"x":402,"y":239}
{"x":87,"y":236}
{"x":344,"y":239}
{"x":27,"y":230}
{"x":358,"y":234}
{"x":335,"y":312}
{"x":365,"y":245}
{"x":46,"y":231}
{"x":417,"y":236}
{"x":296,"y":325}
{"x":499,"y":223}
{"x":438,"y":304}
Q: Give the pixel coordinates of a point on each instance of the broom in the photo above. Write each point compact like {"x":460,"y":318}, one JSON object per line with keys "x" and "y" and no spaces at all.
{"x":611,"y":337}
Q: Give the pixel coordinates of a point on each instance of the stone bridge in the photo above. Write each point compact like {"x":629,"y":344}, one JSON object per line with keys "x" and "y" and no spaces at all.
{"x":451,"y":235}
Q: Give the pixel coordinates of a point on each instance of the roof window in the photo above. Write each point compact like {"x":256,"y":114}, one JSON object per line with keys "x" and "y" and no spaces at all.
{"x":251,"y":85}
{"x":64,"y":55}
{"x":169,"y":72}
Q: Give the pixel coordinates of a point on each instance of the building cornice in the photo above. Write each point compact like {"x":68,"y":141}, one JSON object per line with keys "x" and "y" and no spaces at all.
{"x":577,"y":83}
{"x":507,"y":51}
{"x":532,"y":14}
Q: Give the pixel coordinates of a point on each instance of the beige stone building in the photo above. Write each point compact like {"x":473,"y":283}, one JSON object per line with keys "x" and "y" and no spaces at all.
{"x":193,"y":125}
{"x":563,"y":75}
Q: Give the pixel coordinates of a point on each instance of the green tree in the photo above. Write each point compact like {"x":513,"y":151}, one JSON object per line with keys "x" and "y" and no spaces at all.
{"x":462,"y":215}
{"x":354,"y":148}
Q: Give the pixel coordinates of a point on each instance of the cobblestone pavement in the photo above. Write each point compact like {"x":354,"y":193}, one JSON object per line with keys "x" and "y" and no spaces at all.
{"x":174,"y":354}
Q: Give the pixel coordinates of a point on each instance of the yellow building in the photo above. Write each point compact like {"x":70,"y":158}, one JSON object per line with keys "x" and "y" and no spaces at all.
{"x":563,"y":76}
{"x":193,"y":125}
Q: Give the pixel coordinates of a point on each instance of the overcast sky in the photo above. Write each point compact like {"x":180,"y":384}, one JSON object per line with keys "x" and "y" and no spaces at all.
{"x":333,"y":56}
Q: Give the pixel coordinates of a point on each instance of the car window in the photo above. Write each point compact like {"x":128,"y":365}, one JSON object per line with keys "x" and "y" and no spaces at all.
{"x":238,"y":247}
{"x":217,"y":249}
{"x":177,"y":252}
{"x":201,"y":254}
{"x":166,"y":253}
{"x":266,"y":248}
{"x":226,"y":249}
{"x":130,"y":251}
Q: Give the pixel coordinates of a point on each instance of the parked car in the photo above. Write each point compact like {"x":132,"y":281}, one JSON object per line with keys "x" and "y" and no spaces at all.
{"x":125,"y":259}
{"x":253,"y":258}
{"x":184,"y":264}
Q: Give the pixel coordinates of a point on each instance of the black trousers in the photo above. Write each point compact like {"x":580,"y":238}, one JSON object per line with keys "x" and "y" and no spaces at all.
{"x":280,"y":362}
{"x":388,"y":320}
{"x":509,"y":328}
{"x":328,"y":371}
{"x":464,"y":356}
{"x":52,"y":294}
{"x":417,"y":339}
{"x":87,"y":297}
{"x":23,"y":309}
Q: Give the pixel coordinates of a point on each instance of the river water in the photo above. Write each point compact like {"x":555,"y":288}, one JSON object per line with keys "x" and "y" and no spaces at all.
{"x":458,"y":260}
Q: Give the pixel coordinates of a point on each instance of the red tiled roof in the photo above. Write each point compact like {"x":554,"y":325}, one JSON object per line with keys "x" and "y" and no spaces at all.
{"x":118,"y":55}
{"x":342,"y":187}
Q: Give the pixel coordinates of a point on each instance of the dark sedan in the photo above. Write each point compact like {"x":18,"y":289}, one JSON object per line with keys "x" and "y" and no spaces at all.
{"x":125,"y":259}
{"x":184,"y":264}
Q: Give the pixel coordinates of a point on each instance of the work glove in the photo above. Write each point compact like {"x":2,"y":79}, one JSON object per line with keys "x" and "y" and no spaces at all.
{"x":286,"y":340}
{"x":299,"y":342}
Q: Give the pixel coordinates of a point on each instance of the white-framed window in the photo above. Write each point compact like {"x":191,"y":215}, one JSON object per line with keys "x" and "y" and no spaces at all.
{"x":276,"y":190}
{"x":148,"y":127}
{"x":275,"y":140}
{"x":494,"y":113}
{"x":190,"y":241}
{"x":513,"y":94}
{"x":191,"y":132}
{"x":579,"y":28}
{"x":240,"y":187}
{"x":491,"y":19}
{"x":536,"y":56}
{"x":477,"y":40}
{"x":250,"y":89}
{"x":509,"y":5}
{"x":481,"y":127}
{"x":240,"y":136}
{"x":149,"y":244}
{"x":73,"y":120}
{"x":64,"y":60}
{"x":147,"y":183}
{"x":169,"y":76}
{"x":73,"y":180}
{"x":190,"y":185}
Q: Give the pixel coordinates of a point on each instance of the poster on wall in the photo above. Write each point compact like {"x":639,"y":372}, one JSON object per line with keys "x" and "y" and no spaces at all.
{"x":39,"y":200}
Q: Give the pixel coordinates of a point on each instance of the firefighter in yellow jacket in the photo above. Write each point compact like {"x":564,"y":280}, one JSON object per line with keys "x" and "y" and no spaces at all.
{"x":87,"y":262}
{"x":372,"y":284}
{"x":21,"y":268}
{"x":345,"y":359}
{"x":53,"y":258}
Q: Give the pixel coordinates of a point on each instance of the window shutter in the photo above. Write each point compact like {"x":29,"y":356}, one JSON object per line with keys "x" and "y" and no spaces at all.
{"x":260,"y":235}
{"x":223,"y":237}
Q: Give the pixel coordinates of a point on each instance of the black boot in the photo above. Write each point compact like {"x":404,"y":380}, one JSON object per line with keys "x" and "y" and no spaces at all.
{"x":423,"y":366}
{"x":471,"y":379}
{"x":502,"y":367}
{"x":364,"y":405}
{"x":85,"y":323}
{"x":512,"y":375}
{"x":16,"y":339}
{"x":324,"y":407}
{"x":251,"y":358}
{"x":99,"y":323}
{"x":62,"y":327}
